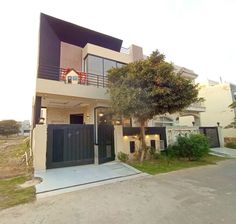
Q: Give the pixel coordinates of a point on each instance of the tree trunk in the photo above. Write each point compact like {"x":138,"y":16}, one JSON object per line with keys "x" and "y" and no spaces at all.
{"x":142,"y":139}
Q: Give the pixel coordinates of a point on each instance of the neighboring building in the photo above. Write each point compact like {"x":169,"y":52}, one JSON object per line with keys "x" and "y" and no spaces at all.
{"x":24,"y":128}
{"x":189,"y":116}
{"x":71,"y":89}
{"x":218,"y":97}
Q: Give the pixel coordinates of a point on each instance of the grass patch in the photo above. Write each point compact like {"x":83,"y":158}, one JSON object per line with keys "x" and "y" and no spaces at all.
{"x":163,"y":165}
{"x":11,"y":194}
{"x":231,"y":145}
{"x":14,"y":171}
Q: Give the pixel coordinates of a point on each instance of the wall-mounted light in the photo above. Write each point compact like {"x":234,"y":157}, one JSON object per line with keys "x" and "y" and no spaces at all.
{"x":193,"y":123}
{"x":147,"y":136}
{"x":100,"y":114}
{"x":156,"y":136}
{"x":117,"y":122}
{"x":218,"y":123}
{"x":41,"y":120}
{"x":125,"y":137}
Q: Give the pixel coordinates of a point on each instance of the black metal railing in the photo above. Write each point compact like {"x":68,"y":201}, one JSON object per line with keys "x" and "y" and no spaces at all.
{"x":61,"y":74}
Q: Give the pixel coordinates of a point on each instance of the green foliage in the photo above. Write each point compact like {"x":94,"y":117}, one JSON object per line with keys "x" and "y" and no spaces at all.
{"x":11,"y":194}
{"x":153,"y":153}
{"x":163,"y":164}
{"x":233,"y":123}
{"x":231,"y":145}
{"x":149,"y":87}
{"x":123,"y":157}
{"x":9,"y":127}
{"x":193,"y":147}
{"x":171,"y":152}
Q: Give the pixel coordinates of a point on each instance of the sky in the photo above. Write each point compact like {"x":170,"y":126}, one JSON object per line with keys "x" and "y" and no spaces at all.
{"x":197,"y":34}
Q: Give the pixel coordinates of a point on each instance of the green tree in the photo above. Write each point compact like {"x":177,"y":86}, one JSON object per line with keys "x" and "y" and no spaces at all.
{"x":9,"y":127}
{"x":149,"y":87}
{"x":233,"y":123}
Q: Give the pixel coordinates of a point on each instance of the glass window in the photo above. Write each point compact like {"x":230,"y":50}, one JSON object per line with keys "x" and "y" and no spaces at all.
{"x":100,"y":66}
{"x":95,"y":65}
{"x":108,"y":64}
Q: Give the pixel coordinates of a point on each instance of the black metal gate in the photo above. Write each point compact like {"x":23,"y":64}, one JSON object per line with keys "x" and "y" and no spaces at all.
{"x":106,"y":150}
{"x":69,"y":145}
{"x":212,"y":134}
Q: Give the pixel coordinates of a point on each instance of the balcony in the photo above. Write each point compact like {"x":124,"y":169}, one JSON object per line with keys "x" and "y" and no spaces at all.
{"x":69,"y":82}
{"x":56,"y":73}
{"x":196,"y":107}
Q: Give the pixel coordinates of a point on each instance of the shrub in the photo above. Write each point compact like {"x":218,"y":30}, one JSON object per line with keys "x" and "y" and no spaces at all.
{"x":152,"y":153}
{"x":193,"y":147}
{"x":123,"y":157}
{"x":231,"y":145}
{"x":171,"y":152}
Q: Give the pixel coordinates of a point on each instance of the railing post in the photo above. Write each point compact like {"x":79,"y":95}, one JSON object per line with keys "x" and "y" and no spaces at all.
{"x":97,"y":80}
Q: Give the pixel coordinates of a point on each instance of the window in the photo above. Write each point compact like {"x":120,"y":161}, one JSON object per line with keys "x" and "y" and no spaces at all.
{"x":99,"y":66}
{"x":132,"y":146}
{"x":95,"y":65}
{"x":108,"y":64}
{"x":153,"y":144}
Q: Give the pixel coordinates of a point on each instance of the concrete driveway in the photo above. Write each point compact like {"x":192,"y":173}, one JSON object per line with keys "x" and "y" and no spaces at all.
{"x":203,"y":195}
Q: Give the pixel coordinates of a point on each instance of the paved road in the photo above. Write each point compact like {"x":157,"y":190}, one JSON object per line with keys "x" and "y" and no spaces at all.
{"x":203,"y":195}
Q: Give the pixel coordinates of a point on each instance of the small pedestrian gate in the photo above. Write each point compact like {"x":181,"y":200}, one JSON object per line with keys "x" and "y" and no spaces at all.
{"x":106,"y":151}
{"x":212,"y":134}
{"x":69,"y":145}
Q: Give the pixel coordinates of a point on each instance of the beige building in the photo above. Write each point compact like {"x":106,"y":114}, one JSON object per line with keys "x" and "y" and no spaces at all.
{"x":190,"y":116}
{"x":218,"y":97}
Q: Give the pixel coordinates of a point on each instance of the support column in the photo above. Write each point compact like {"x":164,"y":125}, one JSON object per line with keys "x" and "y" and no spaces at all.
{"x":118,"y":139}
{"x":221,"y":138}
{"x":39,"y":147}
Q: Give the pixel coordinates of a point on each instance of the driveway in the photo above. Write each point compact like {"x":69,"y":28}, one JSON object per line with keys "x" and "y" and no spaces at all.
{"x":198,"y":195}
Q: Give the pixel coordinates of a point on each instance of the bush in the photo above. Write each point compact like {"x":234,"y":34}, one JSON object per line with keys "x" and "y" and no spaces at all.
{"x":231,"y":145}
{"x":153,"y":153}
{"x":123,"y":157}
{"x":172,"y":151}
{"x":193,"y":147}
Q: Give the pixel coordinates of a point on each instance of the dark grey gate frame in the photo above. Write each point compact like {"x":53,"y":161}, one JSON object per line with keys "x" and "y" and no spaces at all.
{"x":103,"y":139}
{"x":213,"y":143}
{"x":69,"y":145}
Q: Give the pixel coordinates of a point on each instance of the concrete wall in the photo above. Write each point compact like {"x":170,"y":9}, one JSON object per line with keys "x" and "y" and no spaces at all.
{"x":186,"y":121}
{"x":62,"y":116}
{"x":172,"y":133}
{"x":39,"y":146}
{"x":106,"y":53}
{"x":44,"y":86}
{"x":122,"y":143}
{"x":136,"y":53}
{"x":217,"y":101}
{"x":71,"y":56}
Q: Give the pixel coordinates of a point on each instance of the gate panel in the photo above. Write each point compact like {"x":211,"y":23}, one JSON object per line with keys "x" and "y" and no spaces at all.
{"x":58,"y":142}
{"x":70,"y":145}
{"x":106,"y":149}
{"x":212,"y":134}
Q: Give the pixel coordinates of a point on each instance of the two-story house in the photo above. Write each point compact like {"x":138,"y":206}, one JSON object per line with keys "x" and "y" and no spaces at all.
{"x":71,"y":120}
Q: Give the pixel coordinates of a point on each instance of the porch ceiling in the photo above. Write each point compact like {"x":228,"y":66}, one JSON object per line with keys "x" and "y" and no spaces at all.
{"x":56,"y":101}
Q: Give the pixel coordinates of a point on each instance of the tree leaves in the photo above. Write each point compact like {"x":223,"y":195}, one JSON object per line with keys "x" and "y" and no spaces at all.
{"x":150,"y":87}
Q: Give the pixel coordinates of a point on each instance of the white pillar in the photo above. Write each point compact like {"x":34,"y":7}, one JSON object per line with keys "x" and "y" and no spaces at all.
{"x":39,"y":147}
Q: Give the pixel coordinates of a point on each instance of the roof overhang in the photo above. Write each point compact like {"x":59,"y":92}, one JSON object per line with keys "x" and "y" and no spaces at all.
{"x":80,"y":36}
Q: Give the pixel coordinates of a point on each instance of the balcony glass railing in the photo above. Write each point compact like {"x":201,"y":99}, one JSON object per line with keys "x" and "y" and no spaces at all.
{"x":72,"y":76}
{"x":198,"y":106}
